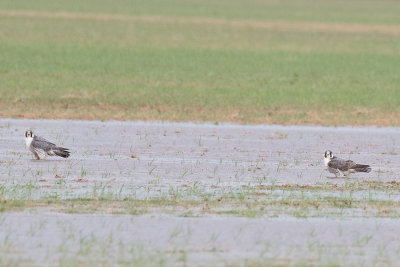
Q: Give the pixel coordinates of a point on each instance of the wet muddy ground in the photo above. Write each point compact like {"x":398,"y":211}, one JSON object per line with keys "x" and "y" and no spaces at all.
{"x":160,"y":160}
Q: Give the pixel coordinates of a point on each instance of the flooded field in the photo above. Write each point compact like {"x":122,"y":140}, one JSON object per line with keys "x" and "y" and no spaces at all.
{"x":158,"y":193}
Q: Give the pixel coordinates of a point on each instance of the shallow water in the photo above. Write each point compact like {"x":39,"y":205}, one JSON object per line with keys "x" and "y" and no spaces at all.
{"x":175,"y":154}
{"x":71,"y":239}
{"x":149,"y":159}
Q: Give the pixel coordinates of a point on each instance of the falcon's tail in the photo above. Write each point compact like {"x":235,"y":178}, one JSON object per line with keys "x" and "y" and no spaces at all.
{"x":361,"y":168}
{"x":62,"y":152}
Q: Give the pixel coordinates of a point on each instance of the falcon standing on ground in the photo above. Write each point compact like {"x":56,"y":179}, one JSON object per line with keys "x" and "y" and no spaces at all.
{"x":40,"y":147}
{"x":341,"y":167}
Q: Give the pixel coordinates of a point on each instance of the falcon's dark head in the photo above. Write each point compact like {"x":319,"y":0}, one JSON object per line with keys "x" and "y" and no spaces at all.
{"x":328,"y":154}
{"x":29,"y":133}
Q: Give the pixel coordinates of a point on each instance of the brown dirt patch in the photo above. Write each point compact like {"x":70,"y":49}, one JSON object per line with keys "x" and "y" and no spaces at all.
{"x":259,"y":24}
{"x":285,"y":116}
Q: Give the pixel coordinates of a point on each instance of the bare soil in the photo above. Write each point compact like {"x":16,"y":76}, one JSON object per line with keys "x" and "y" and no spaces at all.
{"x":275,"y":25}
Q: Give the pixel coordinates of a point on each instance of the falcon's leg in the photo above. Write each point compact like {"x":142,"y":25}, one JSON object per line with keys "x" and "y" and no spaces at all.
{"x":339,"y":174}
{"x":36,"y":156}
{"x":40,"y":153}
{"x":336,"y":172}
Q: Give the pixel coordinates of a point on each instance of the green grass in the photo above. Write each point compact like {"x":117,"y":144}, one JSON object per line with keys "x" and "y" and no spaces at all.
{"x":163,"y":68}
{"x":353,"y":199}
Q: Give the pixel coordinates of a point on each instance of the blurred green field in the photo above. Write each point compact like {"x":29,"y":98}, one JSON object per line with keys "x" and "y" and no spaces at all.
{"x":289,"y":62}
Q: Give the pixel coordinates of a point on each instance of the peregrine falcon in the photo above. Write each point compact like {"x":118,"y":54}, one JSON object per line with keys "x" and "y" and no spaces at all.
{"x":40,"y":147}
{"x":341,"y":167}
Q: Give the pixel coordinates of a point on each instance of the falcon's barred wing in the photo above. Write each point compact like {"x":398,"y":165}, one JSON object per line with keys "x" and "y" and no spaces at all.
{"x":341,"y":164}
{"x":41,"y":143}
{"x":38,"y":138}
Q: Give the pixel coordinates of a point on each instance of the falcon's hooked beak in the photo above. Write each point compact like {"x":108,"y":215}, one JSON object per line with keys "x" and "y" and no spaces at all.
{"x":28,"y":133}
{"x":328,"y":154}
